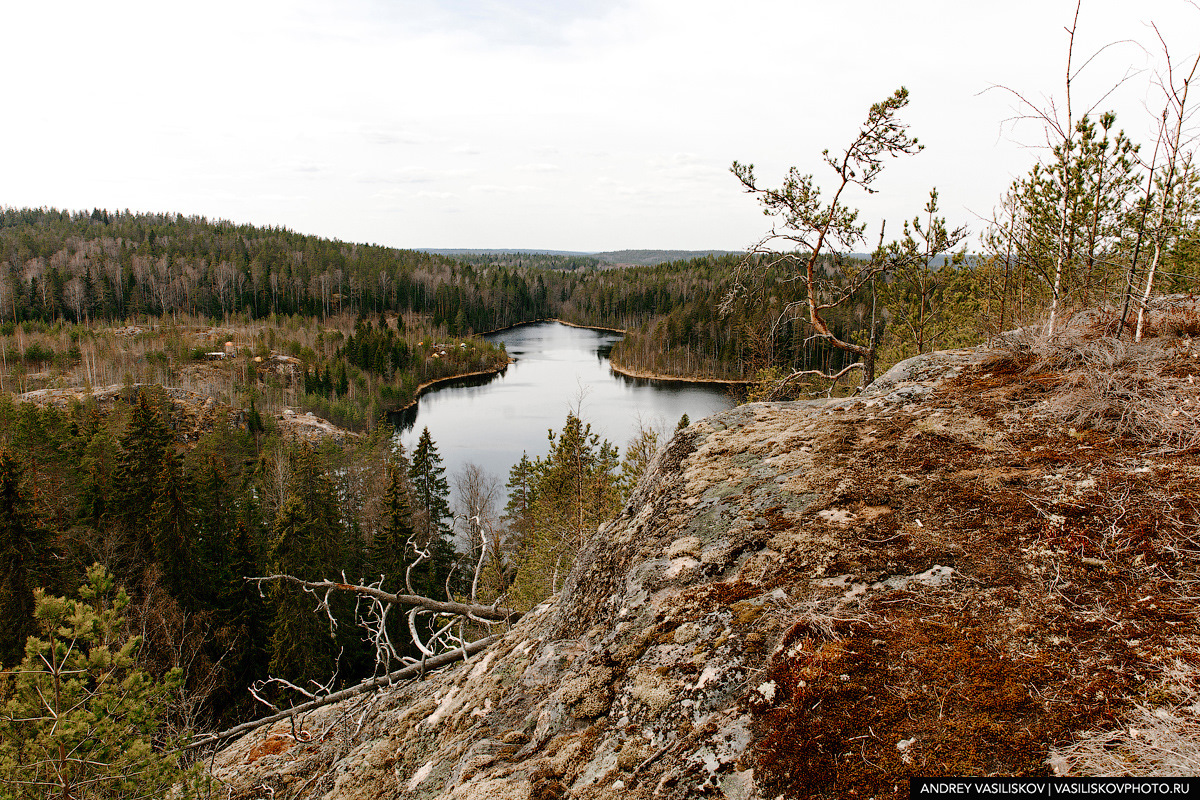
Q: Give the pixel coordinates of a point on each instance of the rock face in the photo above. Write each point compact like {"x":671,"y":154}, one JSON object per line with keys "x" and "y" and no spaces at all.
{"x":812,"y":599}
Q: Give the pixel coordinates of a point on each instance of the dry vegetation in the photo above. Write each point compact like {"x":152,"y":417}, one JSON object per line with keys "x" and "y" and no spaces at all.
{"x":1146,"y":390}
{"x":232,"y":362}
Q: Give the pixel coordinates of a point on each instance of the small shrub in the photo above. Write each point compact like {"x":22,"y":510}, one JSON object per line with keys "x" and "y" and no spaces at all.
{"x":37,"y":353}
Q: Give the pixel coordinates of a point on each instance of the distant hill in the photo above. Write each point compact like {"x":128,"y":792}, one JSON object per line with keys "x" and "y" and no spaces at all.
{"x":649,"y":258}
{"x":470,"y":251}
{"x":645,"y":258}
{"x":543,"y":259}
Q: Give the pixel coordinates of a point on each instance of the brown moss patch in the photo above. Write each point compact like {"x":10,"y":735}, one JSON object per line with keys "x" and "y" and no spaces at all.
{"x":272,"y":745}
{"x":842,"y":708}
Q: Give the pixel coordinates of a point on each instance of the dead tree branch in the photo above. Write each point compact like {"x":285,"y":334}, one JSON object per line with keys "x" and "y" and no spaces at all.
{"x":411,"y":671}
{"x":816,"y":373}
{"x":474,"y":610}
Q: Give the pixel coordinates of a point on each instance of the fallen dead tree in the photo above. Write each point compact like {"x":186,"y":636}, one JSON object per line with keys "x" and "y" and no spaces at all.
{"x":411,"y":671}
{"x":441,"y":649}
{"x":475,"y":611}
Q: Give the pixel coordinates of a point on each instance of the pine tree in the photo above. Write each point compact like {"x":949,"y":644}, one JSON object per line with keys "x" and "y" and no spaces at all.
{"x":926,"y":300}
{"x":638,"y":454}
{"x":577,"y":488}
{"x":82,"y":720}
{"x":522,"y":496}
{"x":808,"y":227}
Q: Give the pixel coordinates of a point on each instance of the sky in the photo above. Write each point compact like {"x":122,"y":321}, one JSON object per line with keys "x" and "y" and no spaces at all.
{"x":544,"y":124}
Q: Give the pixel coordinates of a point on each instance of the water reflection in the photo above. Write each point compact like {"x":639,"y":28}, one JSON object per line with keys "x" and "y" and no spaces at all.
{"x":491,"y":420}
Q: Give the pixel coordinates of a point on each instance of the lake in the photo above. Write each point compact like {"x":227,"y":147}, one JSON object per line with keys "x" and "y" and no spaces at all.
{"x":491,"y":420}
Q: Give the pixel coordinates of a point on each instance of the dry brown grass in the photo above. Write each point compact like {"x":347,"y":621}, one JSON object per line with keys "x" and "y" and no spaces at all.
{"x":1145,"y":390}
{"x":1153,"y":740}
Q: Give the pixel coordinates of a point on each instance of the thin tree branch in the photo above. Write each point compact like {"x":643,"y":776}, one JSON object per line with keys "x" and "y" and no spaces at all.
{"x":437,"y":606}
{"x":391,"y":678}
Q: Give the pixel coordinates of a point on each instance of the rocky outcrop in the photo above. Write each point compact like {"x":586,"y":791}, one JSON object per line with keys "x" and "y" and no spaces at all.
{"x":811,"y":599}
{"x":189,"y":414}
{"x":192,"y":414}
{"x":310,"y":428}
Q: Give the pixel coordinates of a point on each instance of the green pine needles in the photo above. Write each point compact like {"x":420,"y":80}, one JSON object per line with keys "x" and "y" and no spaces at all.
{"x":79,"y":720}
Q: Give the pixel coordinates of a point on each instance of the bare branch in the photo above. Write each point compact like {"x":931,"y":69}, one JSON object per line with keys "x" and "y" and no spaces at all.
{"x":814,"y":373}
{"x":411,"y":671}
{"x":436,"y":606}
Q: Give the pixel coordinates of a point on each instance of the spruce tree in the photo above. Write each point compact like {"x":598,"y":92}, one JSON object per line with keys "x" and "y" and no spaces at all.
{"x":307,"y":542}
{"x":301,"y":645}
{"x":144,"y":448}
{"x":243,"y":636}
{"x":173,"y":532}
{"x":25,"y":557}
{"x":431,"y":492}
{"x":431,"y":499}
{"x":390,"y":550}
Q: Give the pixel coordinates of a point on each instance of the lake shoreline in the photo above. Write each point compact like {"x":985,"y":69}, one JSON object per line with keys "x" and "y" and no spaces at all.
{"x":559,"y":369}
{"x":552,"y":319}
{"x":629,"y":372}
{"x":424,"y":387}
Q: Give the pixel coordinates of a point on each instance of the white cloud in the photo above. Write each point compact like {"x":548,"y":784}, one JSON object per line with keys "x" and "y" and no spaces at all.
{"x":383,"y":136}
{"x":492,"y":188}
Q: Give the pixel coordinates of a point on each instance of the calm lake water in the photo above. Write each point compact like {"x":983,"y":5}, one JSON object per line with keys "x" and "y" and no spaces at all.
{"x":490,"y":421}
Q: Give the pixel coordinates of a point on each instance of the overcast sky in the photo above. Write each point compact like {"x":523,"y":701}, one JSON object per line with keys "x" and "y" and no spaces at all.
{"x":564,"y":124}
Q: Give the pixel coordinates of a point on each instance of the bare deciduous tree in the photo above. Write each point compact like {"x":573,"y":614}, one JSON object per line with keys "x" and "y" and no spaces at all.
{"x":1061,"y":129}
{"x":1175,"y":185}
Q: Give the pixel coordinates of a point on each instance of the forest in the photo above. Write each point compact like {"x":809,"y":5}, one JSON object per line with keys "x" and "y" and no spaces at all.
{"x":68,"y":278}
{"x":104,"y":514}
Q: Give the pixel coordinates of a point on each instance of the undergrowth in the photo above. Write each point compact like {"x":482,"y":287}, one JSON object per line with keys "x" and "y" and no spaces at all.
{"x":1103,"y":381}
